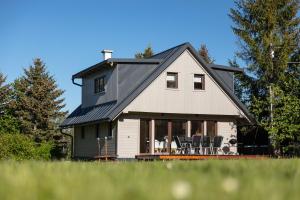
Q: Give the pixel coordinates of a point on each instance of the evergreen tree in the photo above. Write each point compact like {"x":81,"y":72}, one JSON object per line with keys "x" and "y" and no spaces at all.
{"x":268,"y":32}
{"x":8,"y":124}
{"x":37,"y":102}
{"x":5,"y":95}
{"x":203,"y":52}
{"x":148,"y":52}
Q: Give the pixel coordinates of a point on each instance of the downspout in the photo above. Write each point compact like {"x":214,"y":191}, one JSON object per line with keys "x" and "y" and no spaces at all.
{"x":72,"y":140}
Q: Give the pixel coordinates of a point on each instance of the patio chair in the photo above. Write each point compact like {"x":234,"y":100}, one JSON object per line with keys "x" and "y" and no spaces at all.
{"x":206,"y":144}
{"x":216,"y":145}
{"x":196,"y":144}
{"x":180,"y":148}
{"x":156,"y":146}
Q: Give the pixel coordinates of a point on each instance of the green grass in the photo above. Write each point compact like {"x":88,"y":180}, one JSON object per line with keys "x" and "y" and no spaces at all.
{"x":231,"y":179}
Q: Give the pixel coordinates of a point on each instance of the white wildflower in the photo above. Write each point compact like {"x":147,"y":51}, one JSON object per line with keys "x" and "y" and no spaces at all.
{"x":230,"y":184}
{"x":181,"y":190}
{"x":169,"y":165}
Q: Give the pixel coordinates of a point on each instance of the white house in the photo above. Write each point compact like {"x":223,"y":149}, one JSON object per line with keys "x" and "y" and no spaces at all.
{"x":140,"y":103}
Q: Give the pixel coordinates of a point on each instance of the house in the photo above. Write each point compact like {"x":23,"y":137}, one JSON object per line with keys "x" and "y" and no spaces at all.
{"x":137,"y":103}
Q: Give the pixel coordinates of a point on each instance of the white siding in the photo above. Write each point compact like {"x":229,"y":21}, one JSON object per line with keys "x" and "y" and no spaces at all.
{"x":227,"y":129}
{"x":128,"y":138}
{"x":157,"y":98}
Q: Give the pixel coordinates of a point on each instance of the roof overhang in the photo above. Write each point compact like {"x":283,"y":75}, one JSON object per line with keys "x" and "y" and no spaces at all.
{"x":111,"y":62}
{"x":226,"y":68}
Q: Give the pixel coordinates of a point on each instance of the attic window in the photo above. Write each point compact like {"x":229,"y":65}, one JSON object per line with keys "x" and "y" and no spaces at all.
{"x":199,"y":82}
{"x":172,"y":80}
{"x":99,"y":84}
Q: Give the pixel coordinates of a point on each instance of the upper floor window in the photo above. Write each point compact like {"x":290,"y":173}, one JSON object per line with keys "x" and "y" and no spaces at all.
{"x":199,"y":82}
{"x":172,"y":80}
{"x":99,"y":84}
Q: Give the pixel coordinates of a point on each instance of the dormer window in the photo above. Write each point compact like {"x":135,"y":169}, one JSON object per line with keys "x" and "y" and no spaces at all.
{"x":172,"y":80}
{"x":199,"y":82}
{"x":99,"y":84}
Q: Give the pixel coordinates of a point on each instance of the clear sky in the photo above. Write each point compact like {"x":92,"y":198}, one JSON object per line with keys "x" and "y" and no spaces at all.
{"x":68,"y":35}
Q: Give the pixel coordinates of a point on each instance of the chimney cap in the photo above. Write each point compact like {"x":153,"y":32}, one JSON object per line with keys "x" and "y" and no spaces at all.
{"x":106,"y":54}
{"x":107,"y":51}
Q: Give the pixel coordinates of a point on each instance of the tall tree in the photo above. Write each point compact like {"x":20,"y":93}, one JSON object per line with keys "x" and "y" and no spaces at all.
{"x":38,"y":102}
{"x":5,"y":92}
{"x":148,"y":52}
{"x":268,"y":32}
{"x":8,"y":124}
{"x":203,"y":52}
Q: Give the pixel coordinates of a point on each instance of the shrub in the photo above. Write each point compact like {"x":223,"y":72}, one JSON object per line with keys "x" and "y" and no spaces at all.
{"x":8,"y":124}
{"x":21,"y":147}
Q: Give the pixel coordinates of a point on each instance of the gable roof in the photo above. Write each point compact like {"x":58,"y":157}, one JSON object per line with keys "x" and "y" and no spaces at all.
{"x":169,"y":57}
{"x":162,"y":61}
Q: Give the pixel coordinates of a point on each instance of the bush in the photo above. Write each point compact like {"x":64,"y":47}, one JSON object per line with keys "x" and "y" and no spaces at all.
{"x":21,"y":147}
{"x":9,"y":124}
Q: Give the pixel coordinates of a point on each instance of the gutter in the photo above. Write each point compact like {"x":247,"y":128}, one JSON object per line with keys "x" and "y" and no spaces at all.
{"x":72,"y":141}
{"x":73,"y":81}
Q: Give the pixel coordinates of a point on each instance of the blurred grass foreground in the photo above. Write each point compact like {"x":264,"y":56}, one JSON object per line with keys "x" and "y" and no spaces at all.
{"x":212,"y":179}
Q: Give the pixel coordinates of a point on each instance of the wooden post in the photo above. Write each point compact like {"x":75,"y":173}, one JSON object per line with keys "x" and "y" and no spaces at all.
{"x":205,"y":128}
{"x":151,"y":135}
{"x":105,"y":148}
{"x":169,"y":136}
{"x":188,"y":129}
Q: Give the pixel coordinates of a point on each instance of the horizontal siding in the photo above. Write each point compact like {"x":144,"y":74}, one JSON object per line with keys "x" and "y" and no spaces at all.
{"x":128,"y":137}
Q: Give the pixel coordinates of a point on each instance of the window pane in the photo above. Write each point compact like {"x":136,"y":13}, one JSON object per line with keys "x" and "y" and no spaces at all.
{"x":197,"y":128}
{"x":172,"y":80}
{"x":211,"y":128}
{"x":99,"y":84}
{"x":199,"y":82}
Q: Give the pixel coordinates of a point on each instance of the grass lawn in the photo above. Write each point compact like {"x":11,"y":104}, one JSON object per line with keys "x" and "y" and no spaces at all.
{"x":228,"y":179}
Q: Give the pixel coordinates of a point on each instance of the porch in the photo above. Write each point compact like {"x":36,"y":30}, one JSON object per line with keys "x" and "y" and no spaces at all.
{"x":197,"y":137}
{"x":152,"y":157}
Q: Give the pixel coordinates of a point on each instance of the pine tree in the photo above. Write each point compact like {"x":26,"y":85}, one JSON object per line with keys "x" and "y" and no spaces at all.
{"x":8,"y":124}
{"x":203,"y":52}
{"x":268,"y":32}
{"x":38,"y":102}
{"x":148,"y":52}
{"x":5,"y":92}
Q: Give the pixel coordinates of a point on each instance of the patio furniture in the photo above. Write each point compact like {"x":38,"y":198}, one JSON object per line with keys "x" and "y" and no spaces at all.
{"x":180,"y":147}
{"x":196,"y":144}
{"x":206,"y":144}
{"x":216,"y":145}
{"x":173,"y":146}
{"x":156,"y":146}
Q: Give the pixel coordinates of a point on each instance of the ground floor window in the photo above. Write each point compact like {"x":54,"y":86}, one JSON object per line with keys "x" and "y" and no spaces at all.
{"x":197,"y":127}
{"x":211,"y":127}
{"x":144,"y":136}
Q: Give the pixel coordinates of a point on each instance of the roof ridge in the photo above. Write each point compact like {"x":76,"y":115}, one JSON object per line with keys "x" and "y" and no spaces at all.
{"x":172,"y":48}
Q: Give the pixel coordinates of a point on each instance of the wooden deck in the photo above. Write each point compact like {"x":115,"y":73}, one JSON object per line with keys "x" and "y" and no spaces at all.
{"x":149,"y":157}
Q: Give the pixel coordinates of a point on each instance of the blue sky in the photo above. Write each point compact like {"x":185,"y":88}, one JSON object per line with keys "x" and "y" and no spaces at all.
{"x":69,"y":35}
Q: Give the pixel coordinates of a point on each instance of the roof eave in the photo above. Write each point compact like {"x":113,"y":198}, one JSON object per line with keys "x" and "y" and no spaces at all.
{"x":112,"y":61}
{"x":226,"y":68}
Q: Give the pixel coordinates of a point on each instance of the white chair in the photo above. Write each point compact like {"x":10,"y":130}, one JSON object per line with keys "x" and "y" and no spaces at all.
{"x":160,"y":146}
{"x":173,"y":146}
{"x":156,"y":146}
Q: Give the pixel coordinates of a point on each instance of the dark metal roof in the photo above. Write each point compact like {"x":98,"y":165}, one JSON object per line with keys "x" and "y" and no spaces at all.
{"x":226,"y":68}
{"x":89,"y":114}
{"x":148,"y":71}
